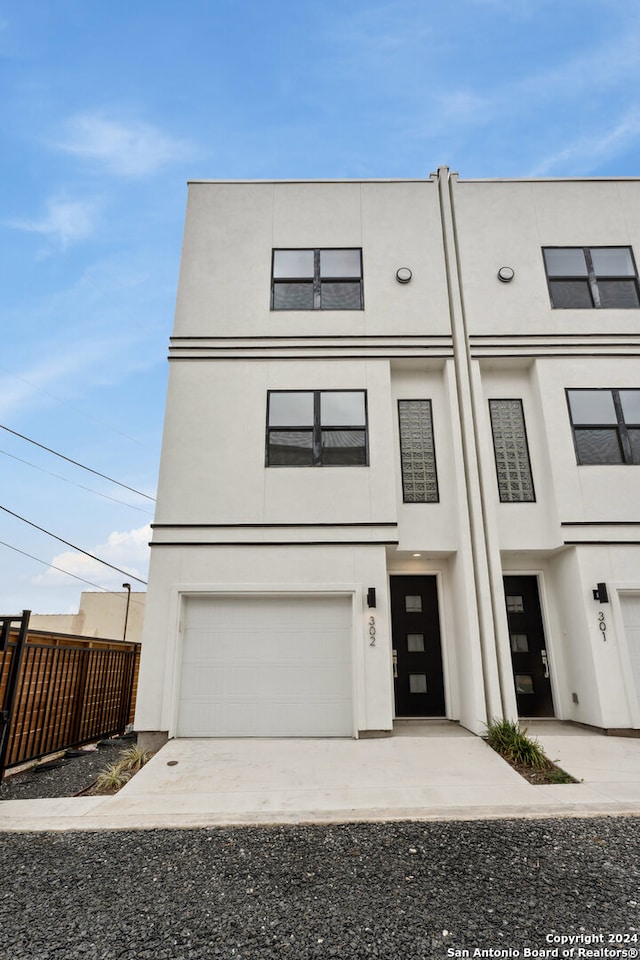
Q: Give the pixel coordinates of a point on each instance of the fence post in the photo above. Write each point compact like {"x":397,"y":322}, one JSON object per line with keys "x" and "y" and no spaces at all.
{"x":126,"y":690}
{"x":79,"y":693}
{"x":6,"y":713}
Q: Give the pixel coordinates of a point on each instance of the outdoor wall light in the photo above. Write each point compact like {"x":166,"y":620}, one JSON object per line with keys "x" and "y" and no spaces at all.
{"x":371,"y":597}
{"x":600,"y":593}
{"x":506,"y":274}
{"x":403,"y":274}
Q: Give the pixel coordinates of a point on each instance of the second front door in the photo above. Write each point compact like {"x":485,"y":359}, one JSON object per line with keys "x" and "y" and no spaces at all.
{"x":528,"y":647}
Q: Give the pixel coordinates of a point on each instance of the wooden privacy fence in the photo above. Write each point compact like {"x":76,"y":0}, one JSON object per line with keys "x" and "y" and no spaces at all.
{"x":59,"y":691}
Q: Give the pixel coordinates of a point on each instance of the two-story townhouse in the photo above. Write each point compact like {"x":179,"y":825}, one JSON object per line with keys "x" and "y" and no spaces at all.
{"x":398,"y":460}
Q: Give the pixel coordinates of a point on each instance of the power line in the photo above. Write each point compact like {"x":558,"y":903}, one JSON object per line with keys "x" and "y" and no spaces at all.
{"x":66,"y":480}
{"x":76,"y":463}
{"x":60,"y":570}
{"x":73,"y":546}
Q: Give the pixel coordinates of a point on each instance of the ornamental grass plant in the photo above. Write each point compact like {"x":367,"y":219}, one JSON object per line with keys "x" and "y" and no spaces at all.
{"x":510,"y":740}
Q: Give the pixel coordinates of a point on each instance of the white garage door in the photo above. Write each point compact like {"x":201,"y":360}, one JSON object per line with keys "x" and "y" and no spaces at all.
{"x":266,"y":667}
{"x":630,"y":604}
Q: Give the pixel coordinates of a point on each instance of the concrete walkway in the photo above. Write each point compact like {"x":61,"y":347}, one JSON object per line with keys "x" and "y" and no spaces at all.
{"x":426,"y":771}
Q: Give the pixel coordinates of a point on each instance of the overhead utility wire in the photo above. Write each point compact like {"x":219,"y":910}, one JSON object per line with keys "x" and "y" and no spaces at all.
{"x":75,"y":462}
{"x":73,"y":546}
{"x":66,"y":480}
{"x":60,"y":570}
{"x":53,"y":566}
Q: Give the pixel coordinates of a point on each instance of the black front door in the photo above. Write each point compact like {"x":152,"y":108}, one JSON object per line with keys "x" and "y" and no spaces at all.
{"x":528,"y":647}
{"x":417,"y":655}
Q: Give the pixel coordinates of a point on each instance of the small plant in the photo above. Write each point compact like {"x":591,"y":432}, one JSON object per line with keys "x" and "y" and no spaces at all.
{"x":508,"y":739}
{"x":561,"y":776}
{"x":133,"y":759}
{"x":113,"y":777}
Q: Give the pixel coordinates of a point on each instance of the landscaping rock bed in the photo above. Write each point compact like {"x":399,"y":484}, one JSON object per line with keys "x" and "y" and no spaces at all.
{"x":67,"y":775}
{"x":391,"y":891}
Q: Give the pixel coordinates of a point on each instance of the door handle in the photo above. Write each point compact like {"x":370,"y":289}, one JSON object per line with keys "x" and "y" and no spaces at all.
{"x":545,"y":663}
{"x":394,"y":660}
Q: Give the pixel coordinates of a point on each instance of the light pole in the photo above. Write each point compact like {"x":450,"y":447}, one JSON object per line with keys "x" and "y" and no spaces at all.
{"x":127,"y":587}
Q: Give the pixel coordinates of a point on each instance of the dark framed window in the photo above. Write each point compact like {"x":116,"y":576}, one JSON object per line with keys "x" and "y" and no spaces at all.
{"x":313,"y":279}
{"x":606,"y":425}
{"x":591,"y":277}
{"x":417,"y":452}
{"x":317,"y":428}
{"x":511,"y":450}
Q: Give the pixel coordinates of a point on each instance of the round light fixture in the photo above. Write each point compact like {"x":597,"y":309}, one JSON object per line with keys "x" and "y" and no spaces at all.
{"x":506,"y":274}
{"x":403,"y":274}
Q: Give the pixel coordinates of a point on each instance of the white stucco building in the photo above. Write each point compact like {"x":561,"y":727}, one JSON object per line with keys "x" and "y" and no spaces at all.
{"x":401,"y":452}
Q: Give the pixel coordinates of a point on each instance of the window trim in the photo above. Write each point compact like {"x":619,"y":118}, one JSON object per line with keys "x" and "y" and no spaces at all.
{"x":519,"y":401}
{"x":592,"y":277}
{"x":433,"y":440}
{"x":620,"y":426}
{"x":316,"y":429}
{"x":316,"y":281}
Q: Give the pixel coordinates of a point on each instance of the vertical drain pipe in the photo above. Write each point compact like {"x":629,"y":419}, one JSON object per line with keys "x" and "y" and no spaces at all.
{"x":464,"y":385}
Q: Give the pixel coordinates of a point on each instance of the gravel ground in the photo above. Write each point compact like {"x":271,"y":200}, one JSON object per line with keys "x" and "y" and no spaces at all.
{"x":65,"y":776}
{"x":398,"y":891}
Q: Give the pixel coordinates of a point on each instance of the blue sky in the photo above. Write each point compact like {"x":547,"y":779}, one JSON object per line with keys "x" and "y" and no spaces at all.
{"x":107,"y":109}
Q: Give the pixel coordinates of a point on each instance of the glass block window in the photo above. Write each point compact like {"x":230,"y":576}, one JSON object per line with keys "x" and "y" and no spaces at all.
{"x":417,"y":452}
{"x":513,"y":467}
{"x":413,"y":604}
{"x":317,"y":279}
{"x":606,"y":425}
{"x":515,"y":605}
{"x":317,"y":428}
{"x":591,"y":277}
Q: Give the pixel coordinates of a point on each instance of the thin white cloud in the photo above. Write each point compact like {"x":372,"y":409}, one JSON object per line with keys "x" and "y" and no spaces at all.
{"x":72,"y":363}
{"x":107,"y":325}
{"x":131,"y":149}
{"x":581,"y":154}
{"x":513,"y":9}
{"x":593,"y":71}
{"x":65,"y":221}
{"x":128,"y":550}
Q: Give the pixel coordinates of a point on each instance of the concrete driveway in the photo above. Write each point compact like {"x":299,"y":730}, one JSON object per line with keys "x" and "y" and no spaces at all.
{"x":426,"y":771}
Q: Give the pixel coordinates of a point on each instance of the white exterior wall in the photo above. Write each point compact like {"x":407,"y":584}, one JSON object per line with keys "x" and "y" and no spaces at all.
{"x":504,"y":223}
{"x":583,"y":515}
{"x":455,"y":335}
{"x":231,"y":229}
{"x":215,"y":457}
{"x":289,"y":568}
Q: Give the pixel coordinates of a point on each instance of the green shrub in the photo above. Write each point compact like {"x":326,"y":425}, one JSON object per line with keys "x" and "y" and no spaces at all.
{"x":508,"y":739}
{"x":133,"y":759}
{"x":113,"y":777}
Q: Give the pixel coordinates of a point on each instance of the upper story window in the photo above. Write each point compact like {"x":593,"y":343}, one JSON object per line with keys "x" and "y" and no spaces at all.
{"x":317,"y":428}
{"x":317,"y":279}
{"x":606,"y":425}
{"x":588,"y":277}
{"x":511,"y":451}
{"x":417,"y":452}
